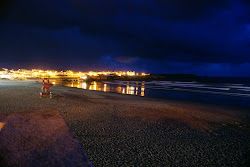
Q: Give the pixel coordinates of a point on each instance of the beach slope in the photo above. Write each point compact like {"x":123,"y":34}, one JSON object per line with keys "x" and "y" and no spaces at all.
{"x":124,"y":130}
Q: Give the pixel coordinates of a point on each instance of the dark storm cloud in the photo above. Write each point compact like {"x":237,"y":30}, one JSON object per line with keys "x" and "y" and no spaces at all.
{"x":188,"y":31}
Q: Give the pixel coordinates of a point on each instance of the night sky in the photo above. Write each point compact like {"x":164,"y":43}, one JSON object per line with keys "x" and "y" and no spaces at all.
{"x":203,"y":37}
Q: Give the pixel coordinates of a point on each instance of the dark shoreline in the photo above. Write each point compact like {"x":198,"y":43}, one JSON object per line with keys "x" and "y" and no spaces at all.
{"x":116,"y":130}
{"x":164,"y":77}
{"x":184,"y":102}
{"x":188,"y":95}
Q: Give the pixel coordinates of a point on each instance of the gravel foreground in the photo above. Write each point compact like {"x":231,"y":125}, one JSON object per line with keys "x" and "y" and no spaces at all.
{"x":123,"y":130}
{"x":22,"y":145}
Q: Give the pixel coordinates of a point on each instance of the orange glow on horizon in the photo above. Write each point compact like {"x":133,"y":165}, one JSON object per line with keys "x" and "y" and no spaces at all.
{"x":37,"y":73}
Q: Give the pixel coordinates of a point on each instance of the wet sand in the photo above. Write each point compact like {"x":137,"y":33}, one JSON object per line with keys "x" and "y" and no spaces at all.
{"x":124,"y":130}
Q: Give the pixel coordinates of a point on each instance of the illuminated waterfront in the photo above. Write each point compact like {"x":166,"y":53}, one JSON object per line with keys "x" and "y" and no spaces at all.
{"x":37,"y":73}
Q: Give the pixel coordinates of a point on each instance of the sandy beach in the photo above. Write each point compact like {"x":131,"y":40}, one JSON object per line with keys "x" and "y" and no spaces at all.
{"x":124,"y":130}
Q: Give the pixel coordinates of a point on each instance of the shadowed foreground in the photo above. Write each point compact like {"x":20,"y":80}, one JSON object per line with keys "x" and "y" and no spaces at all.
{"x":123,"y":130}
{"x":40,"y":138}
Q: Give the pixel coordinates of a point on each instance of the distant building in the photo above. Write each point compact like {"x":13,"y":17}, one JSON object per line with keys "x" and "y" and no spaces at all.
{"x":130,"y":73}
{"x":4,"y":73}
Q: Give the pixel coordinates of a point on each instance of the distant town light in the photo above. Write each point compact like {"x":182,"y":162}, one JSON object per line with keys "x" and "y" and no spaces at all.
{"x":37,"y":73}
{"x":5,"y":76}
{"x":84,"y":77}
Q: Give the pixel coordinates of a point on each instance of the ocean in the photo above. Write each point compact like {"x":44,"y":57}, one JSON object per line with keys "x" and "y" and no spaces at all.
{"x":228,"y":91}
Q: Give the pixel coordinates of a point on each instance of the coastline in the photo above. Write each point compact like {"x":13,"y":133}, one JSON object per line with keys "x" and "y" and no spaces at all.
{"x":225,"y":95}
{"x":162,"y":100}
{"x":116,"y":129}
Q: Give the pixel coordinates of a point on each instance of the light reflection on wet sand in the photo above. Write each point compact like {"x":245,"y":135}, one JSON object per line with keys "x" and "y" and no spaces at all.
{"x":123,"y":89}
